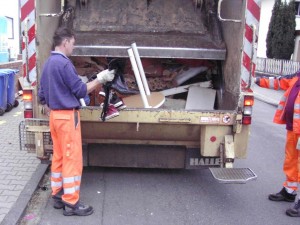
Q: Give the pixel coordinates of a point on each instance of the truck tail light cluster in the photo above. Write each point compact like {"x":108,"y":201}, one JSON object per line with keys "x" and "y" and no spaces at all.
{"x":28,"y":103}
{"x":247,"y":112}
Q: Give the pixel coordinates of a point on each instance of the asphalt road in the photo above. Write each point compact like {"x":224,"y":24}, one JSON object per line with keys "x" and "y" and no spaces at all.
{"x":183,"y":197}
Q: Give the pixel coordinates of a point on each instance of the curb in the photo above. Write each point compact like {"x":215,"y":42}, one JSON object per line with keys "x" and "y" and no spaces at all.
{"x":17,"y":210}
{"x":265,"y":99}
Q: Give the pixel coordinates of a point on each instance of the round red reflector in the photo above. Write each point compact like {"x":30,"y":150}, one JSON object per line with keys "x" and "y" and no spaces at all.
{"x":213,"y":138}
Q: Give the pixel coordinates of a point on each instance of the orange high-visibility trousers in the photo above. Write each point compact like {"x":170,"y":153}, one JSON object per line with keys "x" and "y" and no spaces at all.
{"x":291,"y":163}
{"x":66,"y":168}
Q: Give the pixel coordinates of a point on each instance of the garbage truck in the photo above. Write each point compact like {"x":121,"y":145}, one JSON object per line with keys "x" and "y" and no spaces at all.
{"x":198,"y":56}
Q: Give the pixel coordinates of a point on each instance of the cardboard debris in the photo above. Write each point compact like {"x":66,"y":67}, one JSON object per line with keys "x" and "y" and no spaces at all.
{"x":200,"y":98}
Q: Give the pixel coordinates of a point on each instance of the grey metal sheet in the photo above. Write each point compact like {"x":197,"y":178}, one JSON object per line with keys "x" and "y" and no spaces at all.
{"x":152,"y":45}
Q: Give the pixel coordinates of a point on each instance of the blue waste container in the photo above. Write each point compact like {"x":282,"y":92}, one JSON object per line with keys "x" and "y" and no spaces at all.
{"x":3,"y":92}
{"x":11,"y":102}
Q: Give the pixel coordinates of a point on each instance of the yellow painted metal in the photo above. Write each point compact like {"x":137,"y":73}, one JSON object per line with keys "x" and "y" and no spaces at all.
{"x":211,"y":138}
{"x":39,"y":145}
{"x":174,"y":134}
{"x":241,"y":142}
{"x":189,"y":144}
{"x":37,"y":128}
{"x":229,"y":151}
{"x":163,"y":116}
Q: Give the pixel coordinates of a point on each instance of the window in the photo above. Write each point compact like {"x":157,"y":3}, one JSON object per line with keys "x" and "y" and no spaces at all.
{"x":10,"y":27}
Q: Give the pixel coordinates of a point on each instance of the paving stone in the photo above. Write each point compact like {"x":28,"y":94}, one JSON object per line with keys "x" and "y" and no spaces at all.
{"x":4,"y":181}
{"x":18,"y":188}
{"x":7,"y":187}
{"x":8,"y":172}
{"x":24,"y":173}
{"x":18,"y":182}
{"x":11,"y":193}
{"x":13,"y":177}
{"x":3,"y":198}
{"x":7,"y":205}
{"x":3,"y":211}
{"x":24,"y":169}
{"x":3,"y":215}
{"x":12,"y":198}
{"x":16,"y":167}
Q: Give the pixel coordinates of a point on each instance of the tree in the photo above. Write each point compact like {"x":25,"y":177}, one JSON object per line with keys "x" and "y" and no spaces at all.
{"x":289,"y":26}
{"x":273,"y":22}
{"x":281,"y":33}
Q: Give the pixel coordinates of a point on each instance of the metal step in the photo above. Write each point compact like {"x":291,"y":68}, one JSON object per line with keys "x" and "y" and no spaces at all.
{"x":233,"y":175}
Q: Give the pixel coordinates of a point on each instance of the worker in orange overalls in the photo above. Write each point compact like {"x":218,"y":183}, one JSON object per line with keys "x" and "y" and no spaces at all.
{"x":61,"y":89}
{"x":288,"y":112}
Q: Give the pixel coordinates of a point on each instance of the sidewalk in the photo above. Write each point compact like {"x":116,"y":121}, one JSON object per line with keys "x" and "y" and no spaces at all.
{"x":267,"y":95}
{"x":16,"y":167}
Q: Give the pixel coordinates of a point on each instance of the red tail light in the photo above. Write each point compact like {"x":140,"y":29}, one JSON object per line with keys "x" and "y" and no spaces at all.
{"x":28,"y":104}
{"x":247,"y":109}
{"x":248,"y":100}
{"x":27,"y":95}
{"x":28,"y":114}
{"x":246,"y":120}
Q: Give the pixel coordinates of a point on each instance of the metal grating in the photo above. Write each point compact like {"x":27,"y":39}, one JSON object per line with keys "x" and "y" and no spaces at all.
{"x":27,"y":138}
{"x":233,"y":175}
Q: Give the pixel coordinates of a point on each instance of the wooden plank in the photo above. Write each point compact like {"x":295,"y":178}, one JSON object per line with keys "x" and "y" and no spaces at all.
{"x":200,"y":98}
{"x":155,"y":100}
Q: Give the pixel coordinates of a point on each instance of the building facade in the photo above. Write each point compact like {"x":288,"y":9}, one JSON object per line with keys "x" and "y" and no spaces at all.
{"x":10,"y":10}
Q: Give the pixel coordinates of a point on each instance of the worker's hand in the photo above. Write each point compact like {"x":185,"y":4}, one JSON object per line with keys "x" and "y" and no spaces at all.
{"x":106,"y":76}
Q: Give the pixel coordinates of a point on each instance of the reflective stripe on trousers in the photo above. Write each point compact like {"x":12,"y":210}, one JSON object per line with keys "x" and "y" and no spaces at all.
{"x":291,"y":166}
{"x":66,"y":165}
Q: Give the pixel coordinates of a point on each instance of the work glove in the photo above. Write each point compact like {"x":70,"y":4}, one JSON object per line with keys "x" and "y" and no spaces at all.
{"x":106,"y":76}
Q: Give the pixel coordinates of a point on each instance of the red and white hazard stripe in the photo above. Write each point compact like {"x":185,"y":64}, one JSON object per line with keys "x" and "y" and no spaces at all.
{"x":252,"y":19}
{"x":28,"y":44}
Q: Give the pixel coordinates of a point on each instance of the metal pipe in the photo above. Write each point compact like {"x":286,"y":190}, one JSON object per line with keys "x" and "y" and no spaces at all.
{"x":141,"y":69}
{"x":82,"y":102}
{"x":138,"y":78}
{"x":26,"y":59}
{"x":219,"y":14}
{"x":253,"y":55}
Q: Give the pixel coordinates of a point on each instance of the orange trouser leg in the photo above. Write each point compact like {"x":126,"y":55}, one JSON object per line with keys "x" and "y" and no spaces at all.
{"x":290,"y":166}
{"x":66,"y":168}
{"x":56,"y":166}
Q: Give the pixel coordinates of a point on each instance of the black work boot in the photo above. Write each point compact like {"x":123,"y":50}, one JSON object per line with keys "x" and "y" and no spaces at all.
{"x":283,"y":195}
{"x":79,"y":209}
{"x":294,"y":211}
{"x":58,"y":204}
